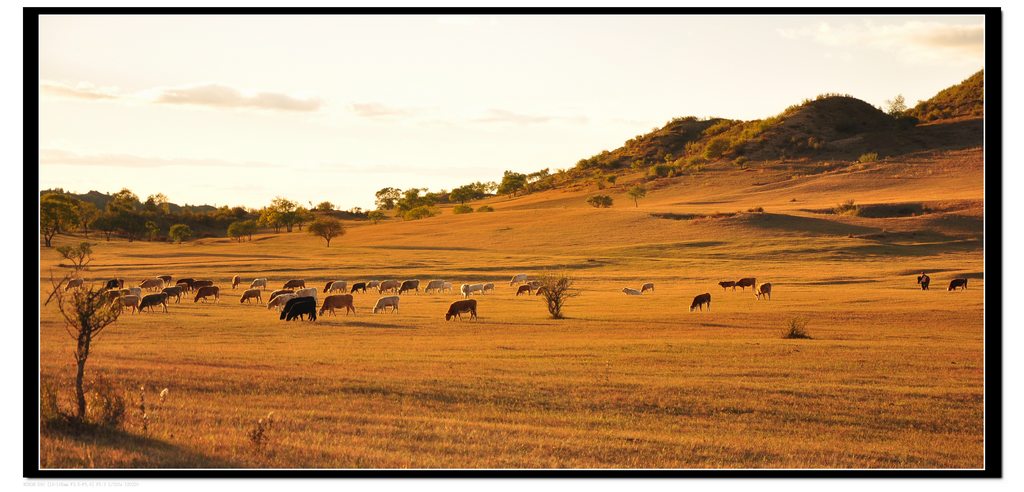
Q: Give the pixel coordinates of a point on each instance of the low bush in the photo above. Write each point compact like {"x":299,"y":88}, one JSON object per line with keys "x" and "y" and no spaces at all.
{"x":846,"y":208}
{"x":869,"y":157}
{"x":600,"y":201}
{"x":796,"y":329}
{"x":485,"y":208}
{"x":462,"y":209}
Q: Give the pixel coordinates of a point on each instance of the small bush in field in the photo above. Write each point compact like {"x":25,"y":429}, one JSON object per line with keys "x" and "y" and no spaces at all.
{"x":108,"y":403}
{"x":796,"y":329}
{"x":462,"y":209}
{"x":485,"y":208}
{"x":259,"y":434}
{"x":756,"y":210}
{"x":846,"y":208}
{"x":600,"y":201}
{"x":869,"y":157}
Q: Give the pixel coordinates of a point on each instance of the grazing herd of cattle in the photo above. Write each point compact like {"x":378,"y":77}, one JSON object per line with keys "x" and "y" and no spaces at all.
{"x":296,"y":301}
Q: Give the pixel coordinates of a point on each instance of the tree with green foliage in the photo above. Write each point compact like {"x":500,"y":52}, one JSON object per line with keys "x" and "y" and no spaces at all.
{"x":636,"y":193}
{"x":79,"y":255}
{"x":327,"y":227}
{"x":105,"y":223}
{"x":376,"y":216}
{"x":180,"y":232}
{"x":485,"y":208}
{"x":57,"y":213}
{"x":303,"y":216}
{"x":325,"y":206}
{"x":123,"y":201}
{"x":87,"y":214}
{"x":153,"y":230}
{"x":270,"y":217}
{"x":896,"y":106}
{"x":130,"y":223}
{"x":241,"y":229}
{"x":716,"y":147}
{"x":511,"y":183}
{"x":421,"y":212}
{"x":600,"y":201}
{"x":387,"y":198}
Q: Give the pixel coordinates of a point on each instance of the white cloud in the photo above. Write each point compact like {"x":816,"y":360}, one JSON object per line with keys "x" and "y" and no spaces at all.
{"x":67,"y":158}
{"x":378,"y":110}
{"x":82,"y":90}
{"x":209,"y":95}
{"x":912,"y":39}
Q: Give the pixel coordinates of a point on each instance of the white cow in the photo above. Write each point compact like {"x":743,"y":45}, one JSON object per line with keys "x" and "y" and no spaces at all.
{"x":434,"y":285}
{"x":518,"y":278}
{"x":385,"y":302}
{"x":310,"y":292}
{"x":630,"y":292}
{"x":279,"y":301}
{"x":259,"y":282}
{"x":468,"y":289}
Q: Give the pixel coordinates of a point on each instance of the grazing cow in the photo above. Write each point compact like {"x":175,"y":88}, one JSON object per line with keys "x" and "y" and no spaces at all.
{"x":764,"y":289}
{"x":517,"y":279}
{"x":468,"y":289}
{"x":647,"y":287}
{"x":409,"y":285}
{"x":251,"y":294}
{"x":207,"y":291}
{"x":631,"y":292}
{"x":259,"y":282}
{"x":924,"y":280}
{"x":198,"y":284}
{"x":299,"y":307}
{"x":434,"y":285}
{"x":279,"y":292}
{"x":114,"y":283}
{"x":373,"y":284}
{"x":174,"y":292}
{"x":487,"y":287}
{"x":165,"y":278}
{"x":957,"y":282}
{"x":155,"y":283}
{"x":186,"y":284}
{"x":459,"y":307}
{"x":700,"y":301}
{"x":524,"y":288}
{"x":361,"y":286}
{"x":280,"y":300}
{"x":127,"y":302}
{"x":74,"y":284}
{"x":743,"y":283}
{"x":310,"y":292}
{"x":153,"y":300}
{"x":540,"y":291}
{"x":385,"y":302}
{"x":336,"y":286}
{"x":295,"y":284}
{"x":728,"y":283}
{"x":235,"y":281}
{"x":447,"y":287}
{"x":338,"y":301}
{"x":388,"y":286}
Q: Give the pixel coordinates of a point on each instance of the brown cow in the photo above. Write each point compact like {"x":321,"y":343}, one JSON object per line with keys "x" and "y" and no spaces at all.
{"x":154,"y":283}
{"x":409,"y":285}
{"x":649,"y":286}
{"x":924,"y":280}
{"x":728,"y":283}
{"x":174,"y":292}
{"x":957,"y":282}
{"x":294,"y":283}
{"x":459,"y":307}
{"x":235,"y":281}
{"x":743,"y":283}
{"x":251,"y":294}
{"x":525,"y":288}
{"x":187,"y":283}
{"x":279,"y":292}
{"x":764,"y":289}
{"x":700,"y":301}
{"x":388,"y":285}
{"x":165,"y":278}
{"x":338,"y":301}
{"x":198,"y":284}
{"x":153,"y":300}
{"x":207,"y":291}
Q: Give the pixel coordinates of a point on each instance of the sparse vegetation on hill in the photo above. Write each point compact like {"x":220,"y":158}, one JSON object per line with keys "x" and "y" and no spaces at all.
{"x":961,"y":100}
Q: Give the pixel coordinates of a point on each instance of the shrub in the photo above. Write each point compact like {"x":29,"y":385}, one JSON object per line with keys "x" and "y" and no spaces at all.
{"x":421,"y":212}
{"x":50,"y":412}
{"x":259,"y":434}
{"x":107,"y":403}
{"x":756,"y":210}
{"x":846,"y":208}
{"x":600,"y":201}
{"x":612,"y":179}
{"x":869,"y":157}
{"x":740,"y":161}
{"x":796,"y":328}
{"x":556,"y":290}
{"x":462,"y":209}
{"x":485,"y":208}
{"x":661,"y":170}
{"x":716,"y":147}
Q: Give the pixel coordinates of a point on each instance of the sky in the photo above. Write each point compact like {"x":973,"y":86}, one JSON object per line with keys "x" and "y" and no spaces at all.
{"x":236,"y":110}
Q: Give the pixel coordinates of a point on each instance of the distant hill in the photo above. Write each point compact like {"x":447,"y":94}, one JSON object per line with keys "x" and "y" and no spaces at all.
{"x":101,"y":200}
{"x":966,"y":99}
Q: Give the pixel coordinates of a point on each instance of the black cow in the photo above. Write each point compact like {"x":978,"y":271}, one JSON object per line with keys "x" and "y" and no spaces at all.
{"x":700,"y":301}
{"x":115,"y":283}
{"x":957,"y":282}
{"x":298,"y":308}
{"x":358,"y":286}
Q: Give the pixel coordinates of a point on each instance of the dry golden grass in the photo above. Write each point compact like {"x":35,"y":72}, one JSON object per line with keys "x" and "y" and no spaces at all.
{"x":892,"y":377}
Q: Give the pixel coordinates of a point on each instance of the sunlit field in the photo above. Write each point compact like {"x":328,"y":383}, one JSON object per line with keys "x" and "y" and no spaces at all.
{"x":892,"y":376}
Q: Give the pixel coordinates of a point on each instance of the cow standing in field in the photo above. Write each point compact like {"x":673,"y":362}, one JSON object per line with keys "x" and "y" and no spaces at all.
{"x":299,"y":307}
{"x":207,"y":291}
{"x":764,"y":289}
{"x":487,"y":287}
{"x":358,"y":286}
{"x":388,"y":286}
{"x":700,"y":301}
{"x":409,"y":285}
{"x":165,"y":278}
{"x":435,"y":286}
{"x":115,"y":283}
{"x":468,"y":289}
{"x":649,"y":286}
{"x":235,"y":281}
{"x":153,"y":300}
{"x":260,"y":283}
{"x":517,"y":279}
{"x":279,"y":292}
{"x":630,"y":292}
{"x":924,"y":280}
{"x":127,"y":302}
{"x":295,"y":284}
{"x":185,"y":284}
{"x":338,"y":301}
{"x":527,"y":288}
{"x":199,"y":284}
{"x":385,"y":302}
{"x":743,"y":283}
{"x":174,"y":292}
{"x":251,"y":294}
{"x":727,"y":284}
{"x":155,"y":283}
{"x":458,"y":307}
{"x":960,"y":283}
{"x":336,"y":286}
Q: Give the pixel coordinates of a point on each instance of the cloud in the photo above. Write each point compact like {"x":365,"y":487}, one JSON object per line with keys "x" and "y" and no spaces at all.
{"x":222,"y":96}
{"x":378,"y":110}
{"x":83,"y":90}
{"x":66,"y":158}
{"x":506,"y":116}
{"x":914,"y":39}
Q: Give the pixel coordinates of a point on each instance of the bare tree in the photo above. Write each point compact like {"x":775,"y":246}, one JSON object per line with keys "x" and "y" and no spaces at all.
{"x":86,"y":313}
{"x":556,"y":290}
{"x":79,"y":256}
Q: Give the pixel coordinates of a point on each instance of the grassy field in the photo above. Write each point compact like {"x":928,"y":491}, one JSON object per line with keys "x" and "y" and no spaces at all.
{"x":893,"y":376}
